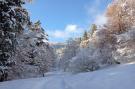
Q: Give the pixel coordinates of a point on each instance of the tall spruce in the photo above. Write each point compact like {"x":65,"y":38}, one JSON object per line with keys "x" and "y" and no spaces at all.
{"x":85,"y":36}
{"x":13,"y":18}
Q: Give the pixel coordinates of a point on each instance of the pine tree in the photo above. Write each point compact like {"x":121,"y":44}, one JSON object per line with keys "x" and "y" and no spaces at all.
{"x":13,"y":18}
{"x":93,"y":28}
{"x":85,"y":36}
{"x":34,"y":54}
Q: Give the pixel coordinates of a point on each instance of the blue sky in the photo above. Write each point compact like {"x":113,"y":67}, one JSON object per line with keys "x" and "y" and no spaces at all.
{"x":63,"y":19}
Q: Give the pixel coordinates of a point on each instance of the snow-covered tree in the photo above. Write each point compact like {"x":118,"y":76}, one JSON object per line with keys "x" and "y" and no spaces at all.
{"x":121,"y":20}
{"x":71,"y":49}
{"x":13,"y":19}
{"x":34,"y":56}
{"x":99,"y":52}
{"x":93,"y":28}
{"x":85,"y":36}
{"x":84,"y":61}
{"x":121,"y":15}
{"x":105,"y":43}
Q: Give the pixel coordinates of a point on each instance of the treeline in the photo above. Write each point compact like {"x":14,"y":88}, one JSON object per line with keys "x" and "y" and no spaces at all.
{"x":112,"y":43}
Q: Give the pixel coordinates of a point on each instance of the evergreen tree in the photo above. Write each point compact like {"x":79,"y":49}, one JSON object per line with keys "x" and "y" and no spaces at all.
{"x":85,"y":36}
{"x":93,"y":28}
{"x":12,"y":20}
{"x":34,"y":55}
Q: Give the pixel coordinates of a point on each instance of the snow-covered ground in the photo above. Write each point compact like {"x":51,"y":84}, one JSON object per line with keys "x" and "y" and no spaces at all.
{"x":118,"y":77}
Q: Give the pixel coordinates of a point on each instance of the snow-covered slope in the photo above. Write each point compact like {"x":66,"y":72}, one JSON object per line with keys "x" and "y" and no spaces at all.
{"x":118,"y":77}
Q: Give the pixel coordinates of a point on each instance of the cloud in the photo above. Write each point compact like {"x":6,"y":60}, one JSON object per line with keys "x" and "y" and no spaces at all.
{"x":59,"y":34}
{"x":100,"y":19}
{"x":70,"y":31}
{"x":71,"y":28}
{"x":93,"y":8}
{"x":95,"y":12}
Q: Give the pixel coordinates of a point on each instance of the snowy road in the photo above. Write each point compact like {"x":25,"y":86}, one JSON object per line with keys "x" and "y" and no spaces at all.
{"x":119,"y":77}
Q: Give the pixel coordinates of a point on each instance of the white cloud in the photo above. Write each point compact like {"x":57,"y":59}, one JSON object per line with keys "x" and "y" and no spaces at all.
{"x":59,"y":34}
{"x":93,"y":8}
{"x":71,"y":30}
{"x":95,"y":14}
{"x":100,"y":19}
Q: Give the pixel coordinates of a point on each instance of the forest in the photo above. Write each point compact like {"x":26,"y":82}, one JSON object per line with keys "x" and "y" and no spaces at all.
{"x":26,"y":52}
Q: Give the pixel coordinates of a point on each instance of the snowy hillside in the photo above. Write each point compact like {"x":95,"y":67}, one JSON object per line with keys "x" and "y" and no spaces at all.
{"x":118,"y":77}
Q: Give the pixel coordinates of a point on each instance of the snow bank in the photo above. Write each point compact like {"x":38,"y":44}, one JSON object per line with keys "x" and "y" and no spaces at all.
{"x":119,"y":77}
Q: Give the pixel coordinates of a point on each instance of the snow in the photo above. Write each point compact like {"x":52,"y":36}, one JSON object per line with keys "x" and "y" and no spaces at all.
{"x":118,"y":77}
